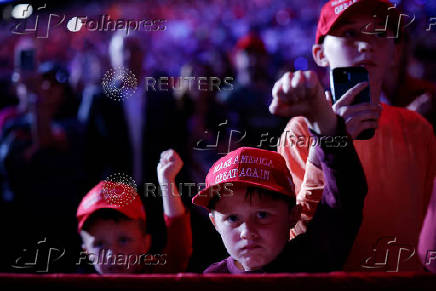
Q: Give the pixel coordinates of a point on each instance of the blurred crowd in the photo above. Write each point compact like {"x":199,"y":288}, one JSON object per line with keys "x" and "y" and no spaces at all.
{"x":60,"y":134}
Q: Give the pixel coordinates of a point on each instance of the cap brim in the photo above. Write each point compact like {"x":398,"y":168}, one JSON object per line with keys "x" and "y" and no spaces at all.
{"x":121,"y":209}
{"x":204,"y":196}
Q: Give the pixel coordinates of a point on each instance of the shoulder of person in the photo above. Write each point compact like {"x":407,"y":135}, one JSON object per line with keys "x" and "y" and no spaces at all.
{"x":219,"y":267}
{"x":408,"y":119}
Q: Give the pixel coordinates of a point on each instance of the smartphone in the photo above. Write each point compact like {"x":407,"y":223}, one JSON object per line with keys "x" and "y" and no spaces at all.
{"x":26,"y":60}
{"x":344,"y":78}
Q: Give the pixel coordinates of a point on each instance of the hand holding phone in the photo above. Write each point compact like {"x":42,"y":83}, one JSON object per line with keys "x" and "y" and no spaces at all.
{"x":342,"y":79}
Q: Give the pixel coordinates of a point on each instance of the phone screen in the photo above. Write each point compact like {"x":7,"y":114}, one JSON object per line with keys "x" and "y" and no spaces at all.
{"x":344,"y":78}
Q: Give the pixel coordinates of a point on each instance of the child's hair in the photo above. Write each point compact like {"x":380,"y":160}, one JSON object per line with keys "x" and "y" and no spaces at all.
{"x":110,"y":214}
{"x":252,"y":190}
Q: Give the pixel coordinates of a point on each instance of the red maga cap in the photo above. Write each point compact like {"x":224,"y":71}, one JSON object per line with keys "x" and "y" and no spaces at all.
{"x":99,"y":198}
{"x":333,"y":10}
{"x":247,"y":167}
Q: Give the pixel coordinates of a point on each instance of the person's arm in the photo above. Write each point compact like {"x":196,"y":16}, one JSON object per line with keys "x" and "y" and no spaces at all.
{"x":179,"y":234}
{"x":307,"y":175}
{"x":331,"y":233}
{"x":427,"y":239}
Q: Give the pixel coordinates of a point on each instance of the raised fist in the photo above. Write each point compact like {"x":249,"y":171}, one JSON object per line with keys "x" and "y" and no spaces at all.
{"x":169,"y":166}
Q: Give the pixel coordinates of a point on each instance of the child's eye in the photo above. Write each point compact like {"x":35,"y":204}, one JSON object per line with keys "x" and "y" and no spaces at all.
{"x":262,"y":215}
{"x":232,"y":218}
{"x":350,"y":33}
{"x":124,"y":239}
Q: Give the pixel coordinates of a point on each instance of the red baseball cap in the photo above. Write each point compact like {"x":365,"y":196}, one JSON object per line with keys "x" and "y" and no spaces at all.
{"x":247,"y":166}
{"x":334,"y":10}
{"x":101,"y":197}
{"x":251,"y":42}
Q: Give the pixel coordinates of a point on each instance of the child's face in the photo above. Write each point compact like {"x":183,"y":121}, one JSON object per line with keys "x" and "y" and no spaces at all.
{"x":111,"y":238}
{"x":348,"y":45}
{"x":254,"y":232}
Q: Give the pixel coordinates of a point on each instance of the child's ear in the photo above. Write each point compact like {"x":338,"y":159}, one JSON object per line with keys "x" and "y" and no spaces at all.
{"x":212,"y":219}
{"x":318,"y":55}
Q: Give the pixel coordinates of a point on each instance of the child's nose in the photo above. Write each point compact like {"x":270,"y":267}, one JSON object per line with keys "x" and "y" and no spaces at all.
{"x":364,"y":46}
{"x":248,"y":231}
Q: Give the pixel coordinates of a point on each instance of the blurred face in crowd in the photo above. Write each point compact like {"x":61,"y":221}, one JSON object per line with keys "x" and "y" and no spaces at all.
{"x":254,"y":228}
{"x":250,"y":65}
{"x":114,"y":239}
{"x":126,"y":52}
{"x":348,"y":45}
{"x":50,"y":94}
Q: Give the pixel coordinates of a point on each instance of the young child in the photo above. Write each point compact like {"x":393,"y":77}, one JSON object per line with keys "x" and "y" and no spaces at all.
{"x":250,"y":196}
{"x":399,"y":161}
{"x":113,"y":229}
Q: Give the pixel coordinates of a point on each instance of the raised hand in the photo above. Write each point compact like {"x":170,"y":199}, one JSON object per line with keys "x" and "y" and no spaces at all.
{"x":169,"y":166}
{"x":357,"y":117}
{"x":301,"y":94}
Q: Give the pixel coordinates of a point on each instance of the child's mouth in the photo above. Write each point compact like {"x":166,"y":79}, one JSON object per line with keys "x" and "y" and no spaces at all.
{"x":366,"y":64}
{"x":250,"y":247}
